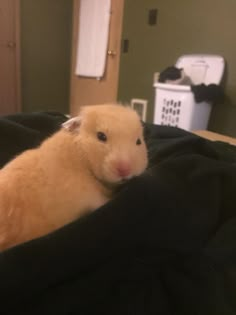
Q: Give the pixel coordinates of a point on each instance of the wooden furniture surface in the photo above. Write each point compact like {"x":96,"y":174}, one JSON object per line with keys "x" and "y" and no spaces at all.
{"x":215,"y":136}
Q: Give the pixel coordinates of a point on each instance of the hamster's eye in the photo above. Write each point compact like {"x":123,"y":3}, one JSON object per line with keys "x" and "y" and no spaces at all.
{"x":138,"y":142}
{"x":101,"y":136}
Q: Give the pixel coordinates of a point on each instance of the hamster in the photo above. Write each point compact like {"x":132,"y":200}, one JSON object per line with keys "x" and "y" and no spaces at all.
{"x":72,"y":173}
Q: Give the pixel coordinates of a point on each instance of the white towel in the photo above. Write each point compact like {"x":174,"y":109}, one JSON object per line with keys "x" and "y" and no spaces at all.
{"x":94,"y":19}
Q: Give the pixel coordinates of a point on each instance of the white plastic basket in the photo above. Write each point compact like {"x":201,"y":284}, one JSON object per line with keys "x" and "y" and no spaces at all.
{"x":175,"y":106}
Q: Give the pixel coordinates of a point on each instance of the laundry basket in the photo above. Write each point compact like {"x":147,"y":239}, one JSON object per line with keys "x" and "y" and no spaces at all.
{"x":175,"y":104}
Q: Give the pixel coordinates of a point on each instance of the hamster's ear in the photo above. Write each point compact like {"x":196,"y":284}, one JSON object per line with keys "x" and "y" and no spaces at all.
{"x":73,"y":124}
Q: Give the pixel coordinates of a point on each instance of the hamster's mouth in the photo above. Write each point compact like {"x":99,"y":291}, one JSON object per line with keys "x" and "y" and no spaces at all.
{"x":111,"y":180}
{"x":112,"y":185}
{"x":122,"y":181}
{"x":125,"y":179}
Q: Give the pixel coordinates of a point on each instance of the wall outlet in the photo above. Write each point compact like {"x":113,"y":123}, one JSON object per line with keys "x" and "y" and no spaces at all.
{"x":140,"y":105}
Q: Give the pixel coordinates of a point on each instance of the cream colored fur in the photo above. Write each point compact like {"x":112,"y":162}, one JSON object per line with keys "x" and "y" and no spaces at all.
{"x":70,"y":174}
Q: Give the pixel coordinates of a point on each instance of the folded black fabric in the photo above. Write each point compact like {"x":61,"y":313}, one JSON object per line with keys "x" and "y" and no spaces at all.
{"x":170,"y":73}
{"x":166,"y":244}
{"x":212,"y":93}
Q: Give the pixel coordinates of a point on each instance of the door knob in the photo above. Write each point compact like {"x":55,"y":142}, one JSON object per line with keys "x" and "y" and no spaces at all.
{"x":11,"y":44}
{"x":111,"y":52}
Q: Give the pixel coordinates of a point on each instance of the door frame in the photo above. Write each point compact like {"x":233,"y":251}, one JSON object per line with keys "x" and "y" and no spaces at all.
{"x":18,"y":55}
{"x":77,"y":82}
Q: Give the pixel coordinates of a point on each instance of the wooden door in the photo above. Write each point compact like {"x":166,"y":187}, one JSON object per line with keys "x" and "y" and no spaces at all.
{"x":9,"y":57}
{"x":87,"y":91}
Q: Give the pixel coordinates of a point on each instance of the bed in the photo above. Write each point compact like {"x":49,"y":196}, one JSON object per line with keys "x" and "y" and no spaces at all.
{"x":165,"y":245}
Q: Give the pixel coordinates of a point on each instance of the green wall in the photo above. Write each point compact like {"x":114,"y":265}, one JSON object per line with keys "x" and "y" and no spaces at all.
{"x":46,"y":30}
{"x":183,"y":27}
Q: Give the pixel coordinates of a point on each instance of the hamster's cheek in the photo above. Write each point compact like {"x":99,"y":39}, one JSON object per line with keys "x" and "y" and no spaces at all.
{"x":109,"y":175}
{"x":140,"y":163}
{"x":110,"y":170}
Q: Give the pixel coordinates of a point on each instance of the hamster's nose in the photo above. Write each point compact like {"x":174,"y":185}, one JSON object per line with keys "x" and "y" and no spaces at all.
{"x":123,"y":170}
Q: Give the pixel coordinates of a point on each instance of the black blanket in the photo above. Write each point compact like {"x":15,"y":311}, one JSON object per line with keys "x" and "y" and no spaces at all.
{"x":165,"y":245}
